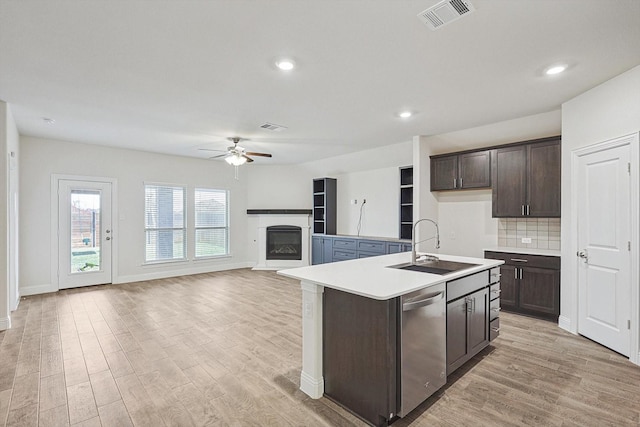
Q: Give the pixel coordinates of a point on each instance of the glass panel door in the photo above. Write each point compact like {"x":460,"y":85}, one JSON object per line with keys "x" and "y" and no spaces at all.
{"x":85,"y":233}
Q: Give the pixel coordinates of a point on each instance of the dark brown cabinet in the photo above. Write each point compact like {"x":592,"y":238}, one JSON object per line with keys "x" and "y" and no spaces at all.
{"x":360,"y":354}
{"x":526,"y":179}
{"x":406,"y":202}
{"x":324,"y":205}
{"x":461,"y":171}
{"x":530,"y":284}
{"x":467,"y":328}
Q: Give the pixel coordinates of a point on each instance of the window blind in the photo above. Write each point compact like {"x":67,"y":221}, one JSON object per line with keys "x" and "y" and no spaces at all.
{"x":211,"y":222}
{"x":165,"y":228}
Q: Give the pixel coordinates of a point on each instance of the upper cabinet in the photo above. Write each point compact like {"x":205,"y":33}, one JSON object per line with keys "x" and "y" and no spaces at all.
{"x":461,"y":171}
{"x":526,"y":179}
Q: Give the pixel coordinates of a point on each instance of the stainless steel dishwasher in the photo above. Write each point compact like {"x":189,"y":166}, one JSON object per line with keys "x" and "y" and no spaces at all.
{"x":423,"y":349}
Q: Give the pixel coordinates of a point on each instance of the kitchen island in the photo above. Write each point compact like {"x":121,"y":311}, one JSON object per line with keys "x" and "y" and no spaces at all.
{"x":370,"y":287}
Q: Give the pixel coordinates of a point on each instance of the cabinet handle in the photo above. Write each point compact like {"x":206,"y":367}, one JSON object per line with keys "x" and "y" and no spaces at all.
{"x":515,"y":273}
{"x":497,"y":309}
{"x":522,"y":209}
{"x":520,"y":274}
{"x":519,"y":260}
{"x":460,"y":182}
{"x":496,"y":329}
{"x":496,"y":291}
{"x":454,"y":183}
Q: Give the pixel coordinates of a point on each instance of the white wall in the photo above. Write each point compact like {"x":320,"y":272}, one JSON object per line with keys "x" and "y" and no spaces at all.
{"x":607,"y":111}
{"x":40,"y":158}
{"x":372,"y":174}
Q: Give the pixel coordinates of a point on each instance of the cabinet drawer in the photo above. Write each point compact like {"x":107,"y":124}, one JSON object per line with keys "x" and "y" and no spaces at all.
{"x":371,"y":246}
{"x":494,"y":329}
{"x":341,"y":255}
{"x":494,"y":309}
{"x":494,"y":291}
{"x":344,"y":243}
{"x":367,"y":254}
{"x":466,"y":285}
{"x":494,"y":275}
{"x":525,"y":260}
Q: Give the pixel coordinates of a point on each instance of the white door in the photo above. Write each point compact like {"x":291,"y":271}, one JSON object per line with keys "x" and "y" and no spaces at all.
{"x":604,"y":257}
{"x":84,"y":233}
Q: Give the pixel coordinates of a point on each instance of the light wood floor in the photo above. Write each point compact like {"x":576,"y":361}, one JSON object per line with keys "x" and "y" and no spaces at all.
{"x":225,"y":349}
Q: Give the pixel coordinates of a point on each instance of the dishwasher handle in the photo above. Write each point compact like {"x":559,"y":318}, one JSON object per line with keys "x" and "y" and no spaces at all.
{"x":422,"y":302}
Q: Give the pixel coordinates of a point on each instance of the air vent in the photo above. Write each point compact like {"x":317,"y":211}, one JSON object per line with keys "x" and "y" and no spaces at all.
{"x":445,"y":12}
{"x":273,"y":127}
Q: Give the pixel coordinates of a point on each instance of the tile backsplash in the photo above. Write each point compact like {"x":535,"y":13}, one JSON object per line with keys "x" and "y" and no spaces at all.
{"x":543,"y":232}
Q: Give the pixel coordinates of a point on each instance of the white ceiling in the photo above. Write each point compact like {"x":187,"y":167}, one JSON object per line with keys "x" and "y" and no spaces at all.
{"x":175,"y":76}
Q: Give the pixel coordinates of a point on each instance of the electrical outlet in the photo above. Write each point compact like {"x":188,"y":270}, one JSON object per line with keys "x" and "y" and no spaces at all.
{"x":308,"y":310}
{"x":526,"y":240}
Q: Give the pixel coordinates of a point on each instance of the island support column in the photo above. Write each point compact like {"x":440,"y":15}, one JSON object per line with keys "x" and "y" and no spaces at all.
{"x":311,"y":379}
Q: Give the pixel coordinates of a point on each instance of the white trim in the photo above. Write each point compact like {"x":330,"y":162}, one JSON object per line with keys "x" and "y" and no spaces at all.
{"x":5,"y":323}
{"x":115,"y":225}
{"x":38,"y":289}
{"x":311,"y":378}
{"x":633,"y":140}
{"x":181,"y":272}
{"x":565,"y":323}
{"x":17,"y":301}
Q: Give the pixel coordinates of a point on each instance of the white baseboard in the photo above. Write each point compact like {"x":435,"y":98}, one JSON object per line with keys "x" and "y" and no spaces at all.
{"x":37,"y":289}
{"x":565,"y":323}
{"x":180,"y":272}
{"x":310,"y":386}
{"x":17,"y":301}
{"x":5,"y":323}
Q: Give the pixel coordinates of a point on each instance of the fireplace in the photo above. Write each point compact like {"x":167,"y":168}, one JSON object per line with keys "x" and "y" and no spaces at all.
{"x":282,"y":238}
{"x":284,"y":242}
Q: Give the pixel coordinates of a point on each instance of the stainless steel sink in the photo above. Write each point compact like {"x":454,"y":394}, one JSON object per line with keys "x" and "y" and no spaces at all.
{"x":434,"y":267}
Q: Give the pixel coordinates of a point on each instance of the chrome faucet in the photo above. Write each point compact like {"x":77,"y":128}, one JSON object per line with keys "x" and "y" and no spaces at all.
{"x":413,"y":238}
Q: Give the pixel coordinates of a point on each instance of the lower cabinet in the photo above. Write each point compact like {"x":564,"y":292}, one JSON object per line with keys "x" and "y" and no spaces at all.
{"x":530,"y":284}
{"x":326,"y":248}
{"x":321,"y":249}
{"x":360,"y":361}
{"x":467,"y":328}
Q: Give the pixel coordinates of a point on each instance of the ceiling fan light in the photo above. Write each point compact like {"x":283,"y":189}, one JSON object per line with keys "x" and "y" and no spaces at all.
{"x":235,"y":159}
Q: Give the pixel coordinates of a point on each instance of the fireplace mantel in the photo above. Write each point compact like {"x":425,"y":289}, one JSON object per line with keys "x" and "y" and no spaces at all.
{"x":278,"y":211}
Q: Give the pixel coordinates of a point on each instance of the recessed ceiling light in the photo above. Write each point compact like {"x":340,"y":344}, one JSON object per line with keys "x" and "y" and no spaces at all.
{"x":48,"y":121}
{"x":405,"y":114}
{"x":555,"y":69}
{"x":285,"y":64}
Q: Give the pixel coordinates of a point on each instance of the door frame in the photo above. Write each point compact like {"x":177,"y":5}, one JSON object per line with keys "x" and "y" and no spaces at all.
{"x":632,"y":140}
{"x":55,"y":182}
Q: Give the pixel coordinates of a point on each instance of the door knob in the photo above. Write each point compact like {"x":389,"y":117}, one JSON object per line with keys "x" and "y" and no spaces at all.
{"x":583,"y":254}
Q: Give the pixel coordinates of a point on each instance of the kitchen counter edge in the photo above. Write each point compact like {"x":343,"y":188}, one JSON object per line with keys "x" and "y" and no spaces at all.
{"x":372,"y":278}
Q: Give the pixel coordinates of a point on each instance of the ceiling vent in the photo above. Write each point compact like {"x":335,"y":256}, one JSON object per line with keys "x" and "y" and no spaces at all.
{"x":273,"y":127}
{"x":445,"y":12}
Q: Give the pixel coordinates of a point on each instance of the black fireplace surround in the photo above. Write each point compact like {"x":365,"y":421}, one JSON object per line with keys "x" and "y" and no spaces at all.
{"x":284,"y":242}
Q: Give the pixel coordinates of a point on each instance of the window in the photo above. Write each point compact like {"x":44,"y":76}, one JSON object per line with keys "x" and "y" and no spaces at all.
{"x":211,"y":222}
{"x":165,"y":229}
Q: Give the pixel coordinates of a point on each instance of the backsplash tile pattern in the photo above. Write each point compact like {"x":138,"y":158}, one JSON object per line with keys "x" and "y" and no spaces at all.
{"x":543,"y":232}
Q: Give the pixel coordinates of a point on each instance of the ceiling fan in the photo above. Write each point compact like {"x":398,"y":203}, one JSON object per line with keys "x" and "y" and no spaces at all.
{"x":236,"y":155}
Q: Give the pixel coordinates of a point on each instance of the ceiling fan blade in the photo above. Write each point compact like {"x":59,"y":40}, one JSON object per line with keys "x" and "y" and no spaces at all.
{"x":249,"y":159}
{"x":259,"y":154}
{"x":218,"y":156}
{"x":210,"y":149}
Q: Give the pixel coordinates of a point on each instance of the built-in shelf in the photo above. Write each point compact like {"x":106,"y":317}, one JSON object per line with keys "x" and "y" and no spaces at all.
{"x":324,"y":206}
{"x":406,"y":202}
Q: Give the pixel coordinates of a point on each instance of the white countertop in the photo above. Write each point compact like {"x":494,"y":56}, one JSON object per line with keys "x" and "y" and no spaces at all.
{"x":370,"y":277}
{"x":525,"y":251}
